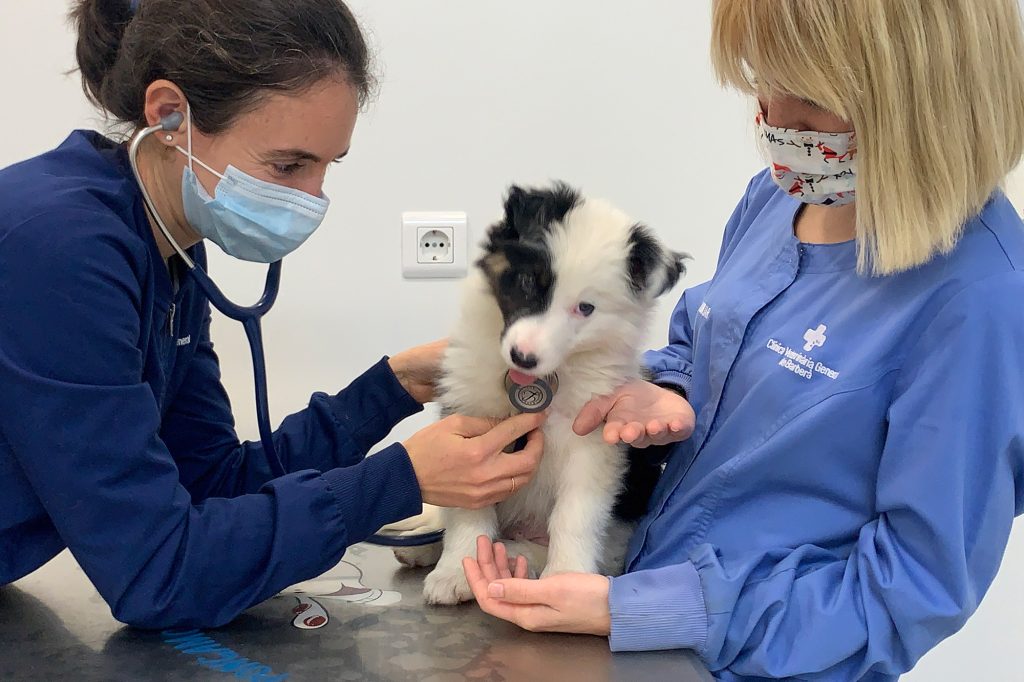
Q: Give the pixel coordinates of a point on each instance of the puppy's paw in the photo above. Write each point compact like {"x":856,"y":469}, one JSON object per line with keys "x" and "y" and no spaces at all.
{"x":415,"y":557}
{"x":447,"y":585}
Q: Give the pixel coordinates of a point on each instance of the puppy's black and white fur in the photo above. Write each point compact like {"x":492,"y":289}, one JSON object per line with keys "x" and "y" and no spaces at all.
{"x":566,"y":284}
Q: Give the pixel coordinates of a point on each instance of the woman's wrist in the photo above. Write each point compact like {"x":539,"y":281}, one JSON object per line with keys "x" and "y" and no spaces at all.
{"x":678,"y":390}
{"x":406,"y":380}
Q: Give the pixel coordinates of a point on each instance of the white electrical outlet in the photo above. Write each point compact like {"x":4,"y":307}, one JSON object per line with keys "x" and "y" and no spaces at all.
{"x":434,"y":245}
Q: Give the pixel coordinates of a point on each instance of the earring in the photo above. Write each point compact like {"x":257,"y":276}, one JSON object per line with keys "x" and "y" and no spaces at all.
{"x":169,"y":138}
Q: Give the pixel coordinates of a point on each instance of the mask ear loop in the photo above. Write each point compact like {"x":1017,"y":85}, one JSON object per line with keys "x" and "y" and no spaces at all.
{"x":188,"y":132}
{"x":192,"y":160}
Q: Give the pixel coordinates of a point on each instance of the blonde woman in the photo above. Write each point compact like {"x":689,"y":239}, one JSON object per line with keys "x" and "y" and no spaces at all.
{"x":856,"y":365}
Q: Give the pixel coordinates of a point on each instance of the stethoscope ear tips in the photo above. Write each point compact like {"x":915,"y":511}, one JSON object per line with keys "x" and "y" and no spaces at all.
{"x":172,"y":122}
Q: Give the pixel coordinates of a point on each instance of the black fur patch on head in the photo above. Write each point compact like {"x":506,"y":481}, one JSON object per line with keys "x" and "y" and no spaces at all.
{"x":516,"y":260}
{"x":649,"y":263}
{"x":530,"y":213}
{"x":521,"y":279}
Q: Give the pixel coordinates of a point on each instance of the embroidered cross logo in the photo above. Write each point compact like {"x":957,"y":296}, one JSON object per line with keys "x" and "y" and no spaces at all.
{"x":815,"y":338}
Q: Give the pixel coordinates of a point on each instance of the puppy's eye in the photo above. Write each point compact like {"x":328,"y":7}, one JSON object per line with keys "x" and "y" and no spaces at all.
{"x":585,"y":309}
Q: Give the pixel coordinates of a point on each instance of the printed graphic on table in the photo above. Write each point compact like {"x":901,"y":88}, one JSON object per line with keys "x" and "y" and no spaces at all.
{"x":344,"y":584}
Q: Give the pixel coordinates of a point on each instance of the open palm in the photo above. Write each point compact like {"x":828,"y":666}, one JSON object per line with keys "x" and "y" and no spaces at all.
{"x":640,"y":414}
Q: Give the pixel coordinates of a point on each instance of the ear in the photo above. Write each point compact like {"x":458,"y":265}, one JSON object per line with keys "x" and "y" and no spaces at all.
{"x":163,"y":98}
{"x":520,"y":213}
{"x":652,"y":269}
{"x":530,"y":212}
{"x":517,"y":205}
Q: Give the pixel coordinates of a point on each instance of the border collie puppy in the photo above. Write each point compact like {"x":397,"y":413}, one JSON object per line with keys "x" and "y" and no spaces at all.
{"x":554,"y":313}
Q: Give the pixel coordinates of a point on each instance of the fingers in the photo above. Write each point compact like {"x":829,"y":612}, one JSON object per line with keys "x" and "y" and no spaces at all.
{"x":490,"y":478}
{"x":612,"y":432}
{"x":519,"y":591}
{"x":510,"y":567}
{"x":510,"y":599}
{"x":592,"y":414}
{"x":510,"y":430}
{"x":654,"y":432}
{"x":501,"y":561}
{"x":478,"y":584}
{"x":632,"y":432}
{"x":524,"y":463}
{"x":493,"y":563}
{"x":475,"y":577}
{"x":520,"y":465}
{"x":497,"y":490}
{"x":470,"y":427}
{"x":486,"y":557}
{"x":623,"y":432}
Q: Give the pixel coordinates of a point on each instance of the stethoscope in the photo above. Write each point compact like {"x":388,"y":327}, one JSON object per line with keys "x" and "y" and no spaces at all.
{"x":249,"y":316}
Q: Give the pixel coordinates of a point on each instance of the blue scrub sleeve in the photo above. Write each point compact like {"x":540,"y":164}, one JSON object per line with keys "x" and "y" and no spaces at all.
{"x":946,"y":497}
{"x":658,"y":609}
{"x":333,"y":431}
{"x":85,"y":432}
{"x":673,"y":364}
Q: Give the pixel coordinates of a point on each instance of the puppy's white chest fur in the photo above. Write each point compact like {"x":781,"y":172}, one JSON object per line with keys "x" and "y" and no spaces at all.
{"x":566,"y":454}
{"x":568,"y":501}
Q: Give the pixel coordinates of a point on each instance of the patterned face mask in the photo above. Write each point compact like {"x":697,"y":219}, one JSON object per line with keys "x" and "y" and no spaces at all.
{"x":816,"y":168}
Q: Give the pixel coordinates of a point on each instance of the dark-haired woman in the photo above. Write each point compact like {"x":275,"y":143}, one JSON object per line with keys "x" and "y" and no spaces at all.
{"x":116,"y":436}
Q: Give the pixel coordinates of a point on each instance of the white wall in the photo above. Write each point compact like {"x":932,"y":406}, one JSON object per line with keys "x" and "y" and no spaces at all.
{"x":475,"y":95}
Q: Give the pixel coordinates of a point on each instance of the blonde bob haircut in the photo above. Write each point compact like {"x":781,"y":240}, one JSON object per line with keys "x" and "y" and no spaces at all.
{"x":934,"y":89}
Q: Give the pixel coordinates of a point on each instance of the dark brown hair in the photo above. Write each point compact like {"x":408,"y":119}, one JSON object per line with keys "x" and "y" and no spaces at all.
{"x":224,"y":54}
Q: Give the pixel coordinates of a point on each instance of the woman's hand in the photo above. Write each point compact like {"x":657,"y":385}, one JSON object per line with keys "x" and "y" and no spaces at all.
{"x":640,"y":414}
{"x":572,"y":602}
{"x":459,"y":461}
{"x":419,"y":368}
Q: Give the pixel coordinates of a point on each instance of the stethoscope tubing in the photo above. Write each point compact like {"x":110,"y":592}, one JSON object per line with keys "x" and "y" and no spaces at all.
{"x":249,"y":316}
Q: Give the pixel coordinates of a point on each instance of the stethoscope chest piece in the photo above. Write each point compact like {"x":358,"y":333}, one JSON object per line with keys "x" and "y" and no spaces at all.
{"x":535,"y":397}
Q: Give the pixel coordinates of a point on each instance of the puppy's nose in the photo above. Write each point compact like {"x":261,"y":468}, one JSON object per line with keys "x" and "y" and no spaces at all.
{"x":523,"y":361}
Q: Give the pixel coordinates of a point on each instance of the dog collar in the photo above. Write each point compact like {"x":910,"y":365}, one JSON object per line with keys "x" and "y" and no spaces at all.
{"x":535,"y":397}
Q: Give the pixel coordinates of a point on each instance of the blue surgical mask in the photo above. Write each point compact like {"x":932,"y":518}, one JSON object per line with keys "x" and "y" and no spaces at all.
{"x":249,"y":219}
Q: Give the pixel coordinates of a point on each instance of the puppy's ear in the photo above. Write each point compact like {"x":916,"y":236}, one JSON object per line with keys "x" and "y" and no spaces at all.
{"x":530,"y":212}
{"x":518,"y":208}
{"x":653,"y":270}
{"x":507,"y":229}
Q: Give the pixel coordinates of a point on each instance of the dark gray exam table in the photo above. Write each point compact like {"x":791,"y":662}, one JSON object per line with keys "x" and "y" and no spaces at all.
{"x":363,"y":620}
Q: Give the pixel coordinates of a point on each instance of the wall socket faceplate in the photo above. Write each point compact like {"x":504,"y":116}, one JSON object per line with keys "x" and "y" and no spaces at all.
{"x":434,"y":245}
